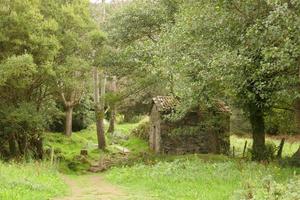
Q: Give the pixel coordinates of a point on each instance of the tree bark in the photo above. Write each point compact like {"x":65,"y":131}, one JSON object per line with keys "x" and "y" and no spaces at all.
{"x":258,"y":131}
{"x":69,"y":117}
{"x":297,"y":114}
{"x":112,"y":119}
{"x":111,"y":128}
{"x":99,"y":107}
{"x":297,"y":102}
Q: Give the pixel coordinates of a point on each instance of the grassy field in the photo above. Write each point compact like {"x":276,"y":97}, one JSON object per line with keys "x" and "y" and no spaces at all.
{"x":33,"y":181}
{"x":206,"y":177}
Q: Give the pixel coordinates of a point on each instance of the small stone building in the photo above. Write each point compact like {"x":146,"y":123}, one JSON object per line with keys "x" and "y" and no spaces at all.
{"x":198,"y":131}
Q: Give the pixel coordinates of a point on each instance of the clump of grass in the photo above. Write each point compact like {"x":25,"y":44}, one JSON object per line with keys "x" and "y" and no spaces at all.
{"x":193,"y":177}
{"x":31,"y":181}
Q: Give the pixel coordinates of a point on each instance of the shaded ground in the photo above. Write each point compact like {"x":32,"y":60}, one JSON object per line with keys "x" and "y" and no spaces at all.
{"x":92,"y":187}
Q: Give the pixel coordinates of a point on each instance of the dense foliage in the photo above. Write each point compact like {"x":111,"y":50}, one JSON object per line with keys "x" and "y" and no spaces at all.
{"x":243,"y":52}
{"x":45,"y":51}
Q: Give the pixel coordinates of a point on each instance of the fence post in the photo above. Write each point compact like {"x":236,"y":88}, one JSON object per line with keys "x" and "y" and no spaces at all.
{"x":280,"y":148}
{"x":52,"y":156}
{"x":245,"y":148}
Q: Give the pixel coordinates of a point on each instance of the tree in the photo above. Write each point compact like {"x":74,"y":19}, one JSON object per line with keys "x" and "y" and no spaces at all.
{"x":75,"y":30}
{"x":237,"y":45}
{"x":27,"y":50}
{"x":246,"y":52}
{"x":73,"y":82}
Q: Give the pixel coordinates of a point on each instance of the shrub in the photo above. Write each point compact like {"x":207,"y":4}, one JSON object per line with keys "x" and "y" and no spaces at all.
{"x":142,"y":131}
{"x":268,"y":154}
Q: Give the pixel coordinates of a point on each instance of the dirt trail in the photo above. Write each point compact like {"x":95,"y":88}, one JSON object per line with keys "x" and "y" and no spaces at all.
{"x":92,"y":187}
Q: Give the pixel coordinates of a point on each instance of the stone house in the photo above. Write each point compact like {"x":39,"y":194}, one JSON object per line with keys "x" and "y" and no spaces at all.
{"x":198,"y":131}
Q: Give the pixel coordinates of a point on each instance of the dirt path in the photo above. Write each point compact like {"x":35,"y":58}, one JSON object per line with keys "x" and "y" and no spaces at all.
{"x":92,"y":187}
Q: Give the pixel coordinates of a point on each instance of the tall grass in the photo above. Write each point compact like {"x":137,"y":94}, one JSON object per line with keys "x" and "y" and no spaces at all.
{"x":32,"y":181}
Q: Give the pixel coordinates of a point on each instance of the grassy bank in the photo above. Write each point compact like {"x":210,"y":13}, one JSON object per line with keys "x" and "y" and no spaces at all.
{"x":33,"y":181}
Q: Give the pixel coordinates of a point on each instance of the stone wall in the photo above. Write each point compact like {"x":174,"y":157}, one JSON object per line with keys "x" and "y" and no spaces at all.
{"x":177,"y":138}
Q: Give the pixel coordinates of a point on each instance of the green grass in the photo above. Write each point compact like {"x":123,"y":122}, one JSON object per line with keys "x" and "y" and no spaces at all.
{"x":207,"y":177}
{"x":33,"y":181}
{"x":67,"y":149}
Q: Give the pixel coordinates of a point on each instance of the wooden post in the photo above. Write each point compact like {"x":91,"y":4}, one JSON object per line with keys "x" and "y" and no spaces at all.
{"x":52,"y":156}
{"x":280,"y":148}
{"x":245,"y":147}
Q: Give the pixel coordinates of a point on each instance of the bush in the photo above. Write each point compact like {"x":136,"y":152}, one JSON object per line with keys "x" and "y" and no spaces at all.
{"x":269,"y":152}
{"x":143,"y":129}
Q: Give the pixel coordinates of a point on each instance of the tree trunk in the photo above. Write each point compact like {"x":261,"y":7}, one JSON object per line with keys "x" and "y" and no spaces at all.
{"x":99,"y":107}
{"x":68,"y":125}
{"x":297,"y":114}
{"x":12,"y":145}
{"x":111,"y":128}
{"x":38,"y":143}
{"x":258,"y":132}
{"x":297,"y":102}
{"x":22,"y":144}
{"x":112,"y":119}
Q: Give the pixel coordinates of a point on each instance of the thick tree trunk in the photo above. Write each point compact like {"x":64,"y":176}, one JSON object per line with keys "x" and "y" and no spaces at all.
{"x":297,"y":102}
{"x":100,"y":130}
{"x":297,"y":114}
{"x":69,"y":117}
{"x":99,"y":107}
{"x":258,"y":132}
